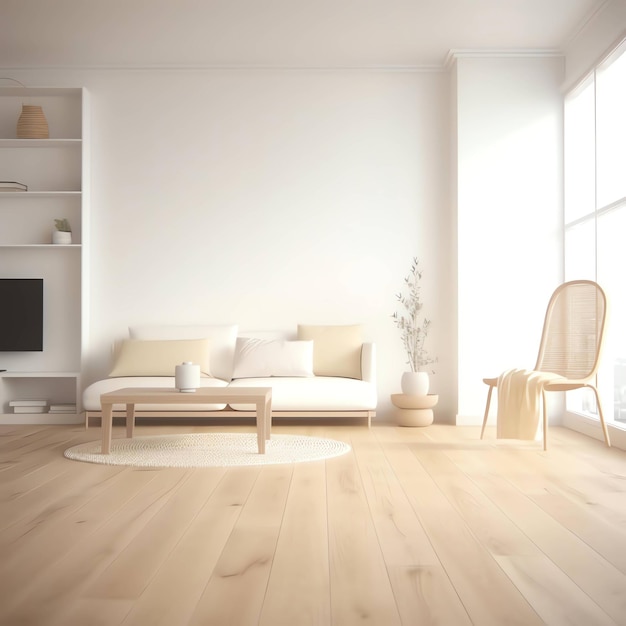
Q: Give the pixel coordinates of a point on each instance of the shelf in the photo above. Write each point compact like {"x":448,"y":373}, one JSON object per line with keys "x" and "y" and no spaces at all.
{"x":39,"y":374}
{"x":40,"y":143}
{"x":20,"y":91}
{"x":40,"y":418}
{"x":20,"y":416}
{"x":40,"y":245}
{"x":14,"y":195}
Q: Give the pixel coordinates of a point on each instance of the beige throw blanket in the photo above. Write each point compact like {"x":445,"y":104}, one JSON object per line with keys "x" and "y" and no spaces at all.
{"x":519,"y":402}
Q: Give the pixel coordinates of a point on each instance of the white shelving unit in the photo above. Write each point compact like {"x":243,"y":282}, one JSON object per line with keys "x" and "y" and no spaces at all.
{"x":54,"y":387}
{"x":56,"y":171}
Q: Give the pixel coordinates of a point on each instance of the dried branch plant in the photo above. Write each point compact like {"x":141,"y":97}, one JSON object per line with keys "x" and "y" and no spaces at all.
{"x":413,"y":326}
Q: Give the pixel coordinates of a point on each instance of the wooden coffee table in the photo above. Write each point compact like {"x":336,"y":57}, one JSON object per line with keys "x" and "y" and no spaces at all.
{"x":261,"y":397}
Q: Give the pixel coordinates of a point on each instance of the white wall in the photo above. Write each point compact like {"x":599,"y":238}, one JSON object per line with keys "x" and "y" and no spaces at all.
{"x":268,"y":198}
{"x":509,"y":214}
{"x":276,"y":197}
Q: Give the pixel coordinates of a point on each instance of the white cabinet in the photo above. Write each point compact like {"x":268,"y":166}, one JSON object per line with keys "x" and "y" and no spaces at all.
{"x":55,"y":388}
{"x":56,"y":172}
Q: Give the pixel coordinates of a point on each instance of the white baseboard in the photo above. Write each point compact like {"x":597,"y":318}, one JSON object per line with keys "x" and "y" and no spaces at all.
{"x":474,"y":420}
{"x":585,"y":425}
{"x":591,"y":427}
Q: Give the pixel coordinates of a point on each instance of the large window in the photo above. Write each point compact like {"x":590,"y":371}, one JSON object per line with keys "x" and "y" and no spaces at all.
{"x":595,"y":215}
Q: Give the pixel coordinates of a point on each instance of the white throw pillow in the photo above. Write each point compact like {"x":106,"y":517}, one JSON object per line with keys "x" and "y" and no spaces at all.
{"x":261,"y":358}
{"x":336,"y":349}
{"x":222,"y":339}
{"x":160,"y":358}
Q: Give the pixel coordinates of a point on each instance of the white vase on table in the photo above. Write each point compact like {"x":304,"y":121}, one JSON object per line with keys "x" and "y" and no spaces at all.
{"x":187,"y":377}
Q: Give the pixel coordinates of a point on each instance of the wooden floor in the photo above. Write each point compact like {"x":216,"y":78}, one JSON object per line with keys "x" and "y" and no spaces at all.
{"x":414,"y":526}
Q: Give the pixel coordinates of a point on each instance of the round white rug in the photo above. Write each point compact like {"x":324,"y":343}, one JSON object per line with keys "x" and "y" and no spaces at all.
{"x":208,"y":450}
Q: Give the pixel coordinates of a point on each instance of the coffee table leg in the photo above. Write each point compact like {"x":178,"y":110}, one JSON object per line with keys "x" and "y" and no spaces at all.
{"x":260,"y":426}
{"x":130,"y":420}
{"x":107,"y":426}
{"x":268,"y":419}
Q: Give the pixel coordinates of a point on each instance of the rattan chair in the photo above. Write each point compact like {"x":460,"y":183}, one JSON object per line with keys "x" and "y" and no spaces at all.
{"x":570,"y":346}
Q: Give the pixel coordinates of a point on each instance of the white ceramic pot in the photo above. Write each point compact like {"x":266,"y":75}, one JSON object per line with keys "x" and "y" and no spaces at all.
{"x":60,"y":237}
{"x":415,"y":383}
{"x":187,"y":377}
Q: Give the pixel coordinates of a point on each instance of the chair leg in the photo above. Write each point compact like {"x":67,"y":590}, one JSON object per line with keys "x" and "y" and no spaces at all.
{"x":482,"y":432}
{"x":601,"y":415}
{"x":545,"y":420}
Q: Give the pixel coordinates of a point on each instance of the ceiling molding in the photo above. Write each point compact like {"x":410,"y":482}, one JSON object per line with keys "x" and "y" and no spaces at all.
{"x":614,"y":50}
{"x":227,"y":68}
{"x":451,"y":58}
{"x":522,"y":53}
{"x":585,"y":22}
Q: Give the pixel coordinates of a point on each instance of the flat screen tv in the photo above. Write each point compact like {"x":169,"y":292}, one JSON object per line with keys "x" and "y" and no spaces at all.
{"x":21,"y":314}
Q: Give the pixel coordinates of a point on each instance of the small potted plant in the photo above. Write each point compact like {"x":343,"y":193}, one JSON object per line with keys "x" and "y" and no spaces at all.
{"x":414,"y":329}
{"x":62,"y":234}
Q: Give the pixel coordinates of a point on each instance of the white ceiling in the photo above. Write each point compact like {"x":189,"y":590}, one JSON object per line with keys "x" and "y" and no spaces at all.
{"x":294,"y":33}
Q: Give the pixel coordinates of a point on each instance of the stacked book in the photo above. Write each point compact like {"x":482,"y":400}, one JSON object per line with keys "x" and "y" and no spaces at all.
{"x":29,"y":406}
{"x":11,"y":185}
{"x":62,"y":408}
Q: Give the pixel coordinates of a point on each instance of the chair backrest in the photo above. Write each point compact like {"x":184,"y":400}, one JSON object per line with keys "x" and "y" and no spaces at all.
{"x":573,"y":331}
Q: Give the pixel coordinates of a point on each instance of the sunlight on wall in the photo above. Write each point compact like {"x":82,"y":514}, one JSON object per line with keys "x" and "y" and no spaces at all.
{"x":509,"y":216}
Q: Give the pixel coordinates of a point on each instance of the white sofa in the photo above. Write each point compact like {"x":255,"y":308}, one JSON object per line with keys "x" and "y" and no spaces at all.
{"x":317,"y":371}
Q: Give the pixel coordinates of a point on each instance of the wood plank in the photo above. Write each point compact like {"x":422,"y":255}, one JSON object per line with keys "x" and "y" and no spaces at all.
{"x":603,"y":533}
{"x":552,"y":594}
{"x":544,"y":585}
{"x":32,"y":546}
{"x":236,"y":589}
{"x":298,"y":590}
{"x":360,"y":587}
{"x":40,"y":501}
{"x":35,"y":453}
{"x":132,"y":570}
{"x":421,"y":586}
{"x":173,"y":593}
{"x":486,"y":592}
{"x":593,"y":574}
{"x":53,"y":591}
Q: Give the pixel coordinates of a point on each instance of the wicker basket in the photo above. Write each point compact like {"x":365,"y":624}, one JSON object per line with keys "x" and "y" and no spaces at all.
{"x":32,"y":123}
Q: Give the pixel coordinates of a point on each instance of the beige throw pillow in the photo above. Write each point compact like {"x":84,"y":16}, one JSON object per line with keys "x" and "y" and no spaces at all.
{"x":336,"y":349}
{"x":160,"y":357}
{"x":221,"y":337}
